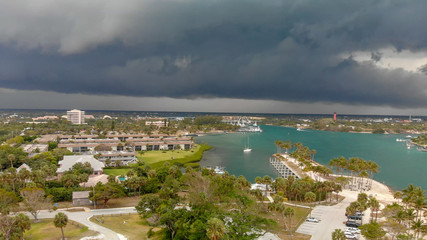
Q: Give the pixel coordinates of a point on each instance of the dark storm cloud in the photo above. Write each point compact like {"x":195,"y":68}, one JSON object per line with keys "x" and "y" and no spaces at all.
{"x":279,"y":50}
{"x":423,"y":69}
{"x":376,"y":56}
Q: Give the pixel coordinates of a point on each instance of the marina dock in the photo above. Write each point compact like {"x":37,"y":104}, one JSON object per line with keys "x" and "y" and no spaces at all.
{"x":286,"y":168}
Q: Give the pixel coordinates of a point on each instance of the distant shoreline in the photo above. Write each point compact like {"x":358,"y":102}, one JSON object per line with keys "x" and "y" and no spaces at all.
{"x":363,"y":132}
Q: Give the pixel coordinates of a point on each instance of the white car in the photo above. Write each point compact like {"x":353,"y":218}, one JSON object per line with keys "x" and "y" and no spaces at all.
{"x":353,"y":230}
{"x":312,"y":219}
{"x":350,"y":236}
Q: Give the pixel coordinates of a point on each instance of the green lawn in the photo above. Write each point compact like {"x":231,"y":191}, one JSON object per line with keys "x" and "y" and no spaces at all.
{"x":116,"y":171}
{"x":47,"y":231}
{"x":129,"y":225}
{"x":150,"y":157}
{"x":181,"y":157}
{"x":296,"y":220}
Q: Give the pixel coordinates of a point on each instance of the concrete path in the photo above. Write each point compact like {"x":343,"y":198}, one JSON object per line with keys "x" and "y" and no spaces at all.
{"x":83,"y":218}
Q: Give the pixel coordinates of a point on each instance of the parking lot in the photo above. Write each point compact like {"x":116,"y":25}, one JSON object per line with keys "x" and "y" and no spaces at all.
{"x":331,"y":218}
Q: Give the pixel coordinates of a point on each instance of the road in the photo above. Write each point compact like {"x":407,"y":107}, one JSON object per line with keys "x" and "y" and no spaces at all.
{"x":83,"y":218}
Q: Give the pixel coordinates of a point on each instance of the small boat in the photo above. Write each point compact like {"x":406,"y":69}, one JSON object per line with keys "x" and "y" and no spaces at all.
{"x":247,"y":148}
{"x":408,"y":136}
{"x":219,"y":170}
{"x":400,"y":140}
{"x":422,"y":149}
{"x":300,"y":129}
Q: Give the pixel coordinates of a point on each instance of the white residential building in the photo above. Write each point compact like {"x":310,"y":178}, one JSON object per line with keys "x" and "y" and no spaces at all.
{"x":76,"y":116}
{"x":69,"y":162}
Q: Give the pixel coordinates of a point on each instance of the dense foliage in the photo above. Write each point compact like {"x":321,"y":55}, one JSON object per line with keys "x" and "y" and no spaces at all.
{"x":214,"y":206}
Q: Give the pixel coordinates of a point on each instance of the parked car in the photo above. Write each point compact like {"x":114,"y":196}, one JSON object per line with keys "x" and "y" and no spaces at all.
{"x":312,"y":219}
{"x":360,"y":213}
{"x":356,"y":214}
{"x":355,"y":217}
{"x":352,"y":224}
{"x":351,"y":236}
{"x":353,"y":230}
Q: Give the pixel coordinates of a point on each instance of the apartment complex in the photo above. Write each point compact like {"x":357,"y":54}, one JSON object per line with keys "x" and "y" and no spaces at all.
{"x":76,"y":116}
{"x":117,"y":147}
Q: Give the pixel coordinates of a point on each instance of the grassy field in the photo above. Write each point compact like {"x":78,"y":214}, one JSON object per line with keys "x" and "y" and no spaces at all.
{"x":116,"y":171}
{"x":296,"y":220}
{"x":150,"y":157}
{"x":135,"y":228}
{"x":181,"y":157}
{"x":47,"y":231}
{"x":123,"y":202}
{"x":131,"y":226}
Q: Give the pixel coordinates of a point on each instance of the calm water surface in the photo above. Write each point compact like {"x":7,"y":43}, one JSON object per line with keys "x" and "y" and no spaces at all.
{"x":398,"y":165}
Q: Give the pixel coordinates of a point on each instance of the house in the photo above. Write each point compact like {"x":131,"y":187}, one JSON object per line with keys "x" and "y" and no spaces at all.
{"x":81,"y":198}
{"x":34,"y":149}
{"x":45,"y":118}
{"x":124,"y":157}
{"x":23,"y":166}
{"x":70,"y":161}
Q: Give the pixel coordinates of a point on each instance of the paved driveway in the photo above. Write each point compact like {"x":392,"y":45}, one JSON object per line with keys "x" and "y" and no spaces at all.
{"x":83,"y":218}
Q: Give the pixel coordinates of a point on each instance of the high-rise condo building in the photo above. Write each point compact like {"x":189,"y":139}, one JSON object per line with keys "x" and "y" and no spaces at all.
{"x":76,"y":116}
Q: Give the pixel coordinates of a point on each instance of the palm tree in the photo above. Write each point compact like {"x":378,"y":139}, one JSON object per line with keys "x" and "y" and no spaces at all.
{"x":363,"y":175}
{"x":419,"y":204}
{"x":287,"y":145}
{"x":338,"y":234}
{"x":279,"y":145}
{"x":280,"y":184}
{"x":398,"y":195}
{"x":417,"y":226}
{"x":314,"y":152}
{"x":408,"y":194}
{"x":258,"y":180}
{"x":61,"y":221}
{"x":372,"y":168}
{"x":375,"y":206}
{"x":267,"y":181}
{"x":400,"y":216}
{"x":310,"y":197}
{"x":243,"y":183}
{"x":333,"y":163}
{"x":337,"y":188}
{"x":410,"y":216}
{"x":289,"y":212}
{"x":215,"y":229}
{"x":11,"y":158}
{"x":342,"y":164}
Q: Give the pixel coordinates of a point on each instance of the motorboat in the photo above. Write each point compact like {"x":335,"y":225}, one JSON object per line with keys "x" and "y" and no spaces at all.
{"x":247,"y":148}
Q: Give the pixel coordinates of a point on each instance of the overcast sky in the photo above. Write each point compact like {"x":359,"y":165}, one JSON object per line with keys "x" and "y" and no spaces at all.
{"x":276,"y":56}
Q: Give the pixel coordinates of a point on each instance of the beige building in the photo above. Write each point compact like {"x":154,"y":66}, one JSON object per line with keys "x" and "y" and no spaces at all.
{"x":76,"y":116}
{"x":159,"y":123}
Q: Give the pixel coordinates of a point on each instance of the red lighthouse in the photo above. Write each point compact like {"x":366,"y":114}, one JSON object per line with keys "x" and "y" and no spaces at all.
{"x":335,"y":116}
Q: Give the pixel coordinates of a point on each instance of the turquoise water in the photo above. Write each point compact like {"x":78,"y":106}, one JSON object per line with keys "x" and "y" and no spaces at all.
{"x":399,"y":166}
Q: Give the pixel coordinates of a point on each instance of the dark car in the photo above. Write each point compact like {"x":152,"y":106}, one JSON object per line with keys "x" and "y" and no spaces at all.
{"x":352,"y":224}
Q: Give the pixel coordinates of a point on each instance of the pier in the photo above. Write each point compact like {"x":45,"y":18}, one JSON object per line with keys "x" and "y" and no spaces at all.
{"x":284,"y":168}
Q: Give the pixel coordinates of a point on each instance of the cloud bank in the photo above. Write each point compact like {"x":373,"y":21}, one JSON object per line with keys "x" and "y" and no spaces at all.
{"x":283,"y":50}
